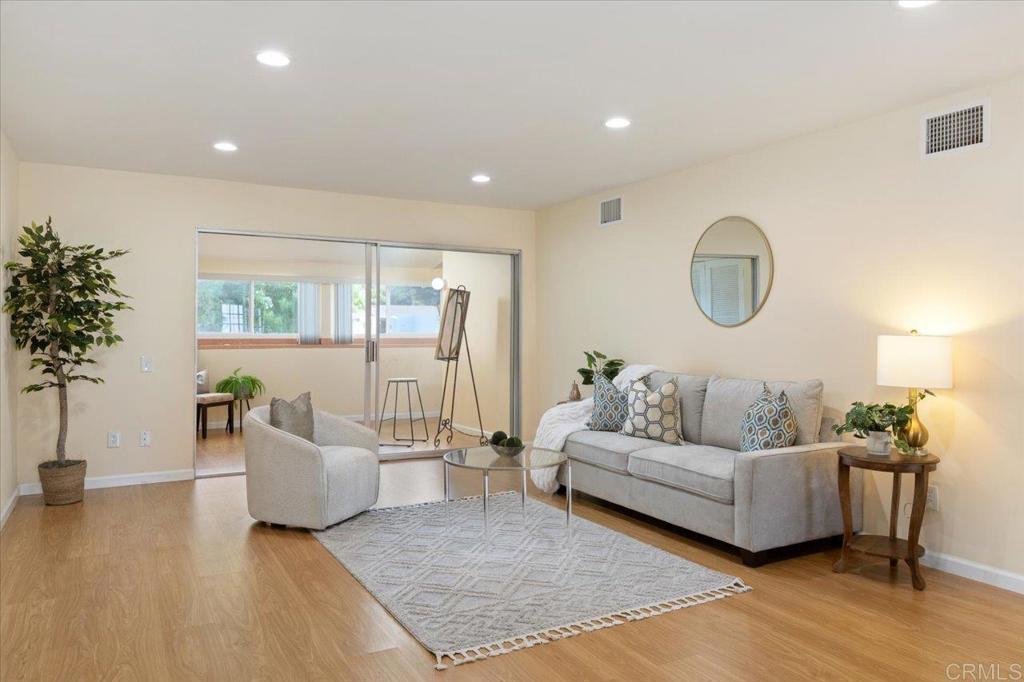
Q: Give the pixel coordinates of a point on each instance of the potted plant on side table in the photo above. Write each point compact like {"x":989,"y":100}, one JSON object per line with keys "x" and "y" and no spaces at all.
{"x":242,"y":386}
{"x":876,"y":423}
{"x":61,"y":300}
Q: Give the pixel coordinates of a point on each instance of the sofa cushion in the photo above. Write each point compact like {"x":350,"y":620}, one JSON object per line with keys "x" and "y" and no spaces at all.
{"x":653,"y":414}
{"x":609,"y":406}
{"x":691,"y":399}
{"x":604,"y":449}
{"x":727,"y":401}
{"x":699,"y":469}
{"x":768,"y":423}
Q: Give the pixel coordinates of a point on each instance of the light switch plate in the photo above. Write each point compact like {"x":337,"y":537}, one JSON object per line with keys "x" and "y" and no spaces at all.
{"x":113,"y":439}
{"x":145,"y":439}
{"x":146,"y":364}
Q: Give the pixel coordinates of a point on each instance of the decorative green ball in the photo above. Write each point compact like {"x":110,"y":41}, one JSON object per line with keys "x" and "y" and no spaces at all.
{"x":512,"y":442}
{"x":498,"y":437}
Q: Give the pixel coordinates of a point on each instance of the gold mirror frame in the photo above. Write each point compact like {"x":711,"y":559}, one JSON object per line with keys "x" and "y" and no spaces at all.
{"x":771,"y":270}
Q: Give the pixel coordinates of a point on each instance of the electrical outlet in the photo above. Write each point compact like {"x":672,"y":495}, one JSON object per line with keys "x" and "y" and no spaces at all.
{"x":113,"y":439}
{"x":933,"y":498}
{"x":146,"y":364}
{"x":145,"y":439}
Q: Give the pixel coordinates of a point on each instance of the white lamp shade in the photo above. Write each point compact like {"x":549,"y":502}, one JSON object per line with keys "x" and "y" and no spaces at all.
{"x":915,"y":361}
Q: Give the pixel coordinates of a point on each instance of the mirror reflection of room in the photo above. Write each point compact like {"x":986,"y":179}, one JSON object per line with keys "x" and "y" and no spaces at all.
{"x":278,"y":317}
{"x":731,"y":271}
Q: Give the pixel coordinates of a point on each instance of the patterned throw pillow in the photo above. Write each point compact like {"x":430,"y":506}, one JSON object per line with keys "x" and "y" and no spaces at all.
{"x":609,"y":406}
{"x":653,"y":414}
{"x":768,"y":423}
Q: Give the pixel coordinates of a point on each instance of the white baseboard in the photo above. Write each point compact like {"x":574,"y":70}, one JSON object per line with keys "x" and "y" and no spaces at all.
{"x":471,"y":430}
{"x":92,"y":482}
{"x":973,"y":570}
{"x":8,"y":507}
{"x":403,"y":454}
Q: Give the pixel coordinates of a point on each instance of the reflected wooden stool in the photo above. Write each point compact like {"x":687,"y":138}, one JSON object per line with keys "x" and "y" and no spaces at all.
{"x":204,"y":401}
{"x":890,"y":547}
{"x":409,"y":383}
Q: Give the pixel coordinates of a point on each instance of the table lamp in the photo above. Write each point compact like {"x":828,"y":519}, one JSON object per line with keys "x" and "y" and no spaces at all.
{"x":915,"y":362}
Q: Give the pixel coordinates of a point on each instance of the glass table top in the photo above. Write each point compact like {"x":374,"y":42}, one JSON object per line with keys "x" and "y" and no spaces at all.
{"x":486,"y":458}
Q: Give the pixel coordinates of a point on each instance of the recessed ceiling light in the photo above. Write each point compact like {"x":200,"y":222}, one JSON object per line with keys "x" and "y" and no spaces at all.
{"x":481,"y":179}
{"x":273,"y":58}
{"x":914,"y":4}
{"x":617,"y":122}
{"x":225,"y":146}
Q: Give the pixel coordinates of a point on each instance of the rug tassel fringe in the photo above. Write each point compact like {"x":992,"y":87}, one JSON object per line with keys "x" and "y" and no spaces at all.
{"x":507,"y":646}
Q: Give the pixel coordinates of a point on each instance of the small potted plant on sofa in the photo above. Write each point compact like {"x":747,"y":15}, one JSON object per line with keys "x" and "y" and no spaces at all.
{"x":62,"y":301}
{"x":876,"y":423}
{"x":242,"y":386}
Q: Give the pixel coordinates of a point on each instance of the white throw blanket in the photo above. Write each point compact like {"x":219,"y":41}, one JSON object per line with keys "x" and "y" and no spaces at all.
{"x":562,"y":420}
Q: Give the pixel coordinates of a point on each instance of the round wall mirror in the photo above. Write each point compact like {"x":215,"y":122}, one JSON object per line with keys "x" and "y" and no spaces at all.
{"x":731,"y":271}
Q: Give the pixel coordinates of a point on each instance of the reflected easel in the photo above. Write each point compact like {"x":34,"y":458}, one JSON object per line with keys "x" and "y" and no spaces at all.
{"x":450,"y":339}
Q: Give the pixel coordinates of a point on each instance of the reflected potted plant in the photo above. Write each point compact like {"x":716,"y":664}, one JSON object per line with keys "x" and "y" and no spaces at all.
{"x":242,"y":386}
{"x":61,"y":301}
{"x":877,"y":424}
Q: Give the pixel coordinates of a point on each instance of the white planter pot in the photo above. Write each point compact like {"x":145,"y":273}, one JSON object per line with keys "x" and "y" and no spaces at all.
{"x":879,"y":443}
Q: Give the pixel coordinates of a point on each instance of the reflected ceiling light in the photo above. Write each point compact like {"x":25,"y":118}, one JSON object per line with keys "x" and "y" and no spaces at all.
{"x":481,"y":179}
{"x":273,"y":58}
{"x":617,"y":122}
{"x":914,"y":4}
{"x":225,"y":146}
{"x":438,"y":283}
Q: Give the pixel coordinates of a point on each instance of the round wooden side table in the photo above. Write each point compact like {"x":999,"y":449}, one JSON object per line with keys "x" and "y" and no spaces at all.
{"x":890,"y":546}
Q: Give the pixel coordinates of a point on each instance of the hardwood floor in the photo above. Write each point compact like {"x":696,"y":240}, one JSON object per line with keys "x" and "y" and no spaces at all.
{"x":175,"y":581}
{"x":220,"y":453}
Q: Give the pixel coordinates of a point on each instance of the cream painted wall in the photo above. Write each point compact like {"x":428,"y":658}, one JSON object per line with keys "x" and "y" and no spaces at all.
{"x":869,"y":238}
{"x":488,"y":278}
{"x":9,"y":228}
{"x":334,"y":376}
{"x":156,"y":216}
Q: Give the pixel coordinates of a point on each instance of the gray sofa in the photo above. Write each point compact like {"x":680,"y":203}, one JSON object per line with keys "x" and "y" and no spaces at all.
{"x":756,"y":501}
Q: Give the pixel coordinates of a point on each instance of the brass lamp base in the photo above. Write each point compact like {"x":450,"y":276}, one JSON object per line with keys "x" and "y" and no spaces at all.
{"x":914,"y":433}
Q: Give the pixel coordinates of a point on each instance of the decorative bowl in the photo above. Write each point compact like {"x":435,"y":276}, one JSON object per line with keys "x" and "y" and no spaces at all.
{"x":507,"y":451}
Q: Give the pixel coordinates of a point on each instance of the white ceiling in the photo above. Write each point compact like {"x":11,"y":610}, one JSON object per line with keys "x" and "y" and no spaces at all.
{"x":411,"y":99}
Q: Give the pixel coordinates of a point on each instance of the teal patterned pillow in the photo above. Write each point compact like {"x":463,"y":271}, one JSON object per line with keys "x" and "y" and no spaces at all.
{"x":609,"y":406}
{"x":768,"y":423}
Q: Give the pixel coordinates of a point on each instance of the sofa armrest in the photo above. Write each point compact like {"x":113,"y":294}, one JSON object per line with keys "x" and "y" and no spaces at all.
{"x":330,"y":429}
{"x":285,"y":479}
{"x":788,"y":495}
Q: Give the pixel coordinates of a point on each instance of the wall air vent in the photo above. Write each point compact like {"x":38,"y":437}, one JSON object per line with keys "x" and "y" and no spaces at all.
{"x":611,"y":211}
{"x":956,"y":129}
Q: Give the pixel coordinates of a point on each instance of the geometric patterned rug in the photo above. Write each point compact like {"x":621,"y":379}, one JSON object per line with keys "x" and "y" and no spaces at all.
{"x":466,"y":597}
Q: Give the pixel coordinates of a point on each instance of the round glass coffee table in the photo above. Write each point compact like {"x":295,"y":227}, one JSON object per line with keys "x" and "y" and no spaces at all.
{"x":486,"y":460}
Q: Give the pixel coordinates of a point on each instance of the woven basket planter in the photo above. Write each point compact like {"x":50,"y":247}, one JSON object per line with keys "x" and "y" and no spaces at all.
{"x":63,"y":485}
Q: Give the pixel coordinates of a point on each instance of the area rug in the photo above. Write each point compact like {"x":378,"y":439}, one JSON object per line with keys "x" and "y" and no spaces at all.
{"x":467,"y":597}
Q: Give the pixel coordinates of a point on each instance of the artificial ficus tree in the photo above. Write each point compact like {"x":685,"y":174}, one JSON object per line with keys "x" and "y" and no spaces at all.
{"x":61,"y":300}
